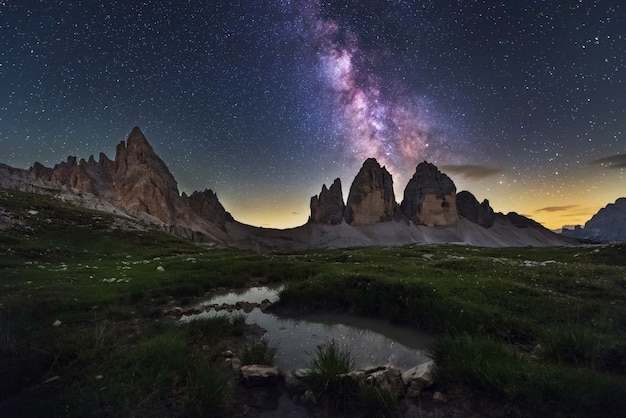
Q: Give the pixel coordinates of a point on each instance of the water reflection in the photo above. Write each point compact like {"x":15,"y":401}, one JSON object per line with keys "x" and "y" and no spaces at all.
{"x":372,"y":342}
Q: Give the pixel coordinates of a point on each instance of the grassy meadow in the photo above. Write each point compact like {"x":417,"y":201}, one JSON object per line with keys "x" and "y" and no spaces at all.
{"x":539,"y":330}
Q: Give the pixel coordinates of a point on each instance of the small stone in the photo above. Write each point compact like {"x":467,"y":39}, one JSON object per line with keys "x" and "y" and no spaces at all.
{"x":440,"y":397}
{"x":294,"y":381}
{"x":52,"y":379}
{"x":235,"y":364}
{"x":160,"y":268}
{"x":228,"y":353}
{"x":99,"y":377}
{"x":176,"y":311}
{"x":301,"y":373}
{"x":57,"y":323}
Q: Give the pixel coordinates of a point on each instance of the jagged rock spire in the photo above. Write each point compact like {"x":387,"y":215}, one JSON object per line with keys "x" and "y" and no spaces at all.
{"x":371,"y":198}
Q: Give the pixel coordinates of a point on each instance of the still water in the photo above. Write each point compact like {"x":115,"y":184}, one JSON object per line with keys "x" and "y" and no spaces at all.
{"x":371,"y":342}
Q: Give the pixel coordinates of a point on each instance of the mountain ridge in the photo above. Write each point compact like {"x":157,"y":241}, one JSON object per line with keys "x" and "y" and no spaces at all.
{"x":137,"y":183}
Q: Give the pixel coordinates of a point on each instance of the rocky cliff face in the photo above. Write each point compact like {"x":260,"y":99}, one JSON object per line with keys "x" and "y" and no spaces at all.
{"x":371,"y":199}
{"x":143,"y":183}
{"x":430,"y":197}
{"x":137,"y":180}
{"x":207,"y":206}
{"x":328,"y":208}
{"x":608,"y":225}
{"x":478,"y":213}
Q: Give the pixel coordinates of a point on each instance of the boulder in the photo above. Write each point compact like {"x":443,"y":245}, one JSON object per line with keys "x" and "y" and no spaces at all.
{"x":430,"y":197}
{"x":418,"y":378}
{"x":371,"y":199}
{"x":259,"y":375}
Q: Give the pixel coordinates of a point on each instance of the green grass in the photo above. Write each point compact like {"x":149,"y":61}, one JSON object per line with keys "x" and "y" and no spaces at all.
{"x":532,"y":387}
{"x":378,"y":401}
{"x":327,"y":378}
{"x":260,"y":352}
{"x":569,"y":302}
{"x":165,"y":373}
{"x":548,"y":339}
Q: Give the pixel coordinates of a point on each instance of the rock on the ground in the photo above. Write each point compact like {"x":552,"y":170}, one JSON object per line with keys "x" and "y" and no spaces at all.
{"x":418,"y":378}
{"x":259,"y":375}
{"x":387,"y":378}
{"x":294,"y":380}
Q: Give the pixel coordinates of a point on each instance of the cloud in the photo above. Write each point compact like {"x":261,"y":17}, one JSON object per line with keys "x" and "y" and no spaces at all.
{"x":473,"y":171}
{"x":557,"y":208}
{"x":614,"y":161}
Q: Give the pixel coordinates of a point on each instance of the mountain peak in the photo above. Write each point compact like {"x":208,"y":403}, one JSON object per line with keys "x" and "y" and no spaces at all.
{"x":136,"y":138}
{"x":430,"y":197}
{"x":328,"y":208}
{"x":371,"y":199}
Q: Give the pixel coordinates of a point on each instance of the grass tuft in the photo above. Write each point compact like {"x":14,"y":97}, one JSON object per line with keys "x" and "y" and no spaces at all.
{"x":574,"y":345}
{"x":328,"y":378}
{"x":260,"y":352}
{"x":379,"y":402}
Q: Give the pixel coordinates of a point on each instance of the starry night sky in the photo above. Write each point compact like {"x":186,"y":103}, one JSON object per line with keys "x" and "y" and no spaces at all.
{"x":520,"y":102}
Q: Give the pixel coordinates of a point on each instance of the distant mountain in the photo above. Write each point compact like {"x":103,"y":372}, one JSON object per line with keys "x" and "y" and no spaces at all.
{"x":138,"y":184}
{"x":431,"y":212}
{"x":608,"y":225}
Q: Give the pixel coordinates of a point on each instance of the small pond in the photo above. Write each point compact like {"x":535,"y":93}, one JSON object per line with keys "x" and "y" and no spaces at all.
{"x":372,"y":342}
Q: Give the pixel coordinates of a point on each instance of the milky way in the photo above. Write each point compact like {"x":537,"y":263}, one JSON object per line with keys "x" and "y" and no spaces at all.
{"x":372,"y":116}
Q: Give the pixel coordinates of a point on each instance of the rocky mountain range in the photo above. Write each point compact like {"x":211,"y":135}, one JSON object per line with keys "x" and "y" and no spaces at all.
{"x":608,"y":225}
{"x":138,"y":184}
